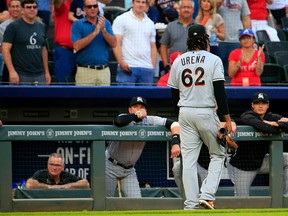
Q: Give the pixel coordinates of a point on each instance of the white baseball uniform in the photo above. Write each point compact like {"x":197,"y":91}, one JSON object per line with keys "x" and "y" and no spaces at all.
{"x":193,"y":74}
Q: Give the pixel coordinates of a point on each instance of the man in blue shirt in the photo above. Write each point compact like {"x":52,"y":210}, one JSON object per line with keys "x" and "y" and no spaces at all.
{"x":92,"y":37}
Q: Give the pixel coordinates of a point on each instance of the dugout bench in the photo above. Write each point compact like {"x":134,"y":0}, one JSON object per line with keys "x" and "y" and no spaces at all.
{"x":99,"y":134}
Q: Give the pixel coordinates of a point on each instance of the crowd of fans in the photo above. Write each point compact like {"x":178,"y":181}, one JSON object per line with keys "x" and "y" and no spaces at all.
{"x":139,"y":61}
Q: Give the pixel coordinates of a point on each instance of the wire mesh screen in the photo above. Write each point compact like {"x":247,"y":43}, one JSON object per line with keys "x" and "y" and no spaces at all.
{"x":153,"y":169}
{"x":30,"y":156}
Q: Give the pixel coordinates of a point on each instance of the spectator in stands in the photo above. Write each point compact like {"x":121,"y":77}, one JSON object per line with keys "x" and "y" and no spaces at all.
{"x":136,"y":48}
{"x":55,"y":177}
{"x":122,"y":156}
{"x":162,"y":6}
{"x":246,"y":63}
{"x":213,"y":22}
{"x":76,"y":10}
{"x":259,"y":17}
{"x":164,"y":79}
{"x":252,"y":157}
{"x":24,"y":48}
{"x":279,"y":9}
{"x":176,"y":33}
{"x":152,"y":12}
{"x":1,"y":124}
{"x":64,"y":57}
{"x":92,"y":37}
{"x":4,"y":14}
{"x":44,"y":12}
{"x":15,"y":13}
{"x":170,"y":15}
{"x":236,"y":15}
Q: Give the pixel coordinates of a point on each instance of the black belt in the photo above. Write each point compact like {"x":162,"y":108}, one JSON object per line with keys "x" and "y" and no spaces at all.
{"x":96,"y":67}
{"x":121,"y":165}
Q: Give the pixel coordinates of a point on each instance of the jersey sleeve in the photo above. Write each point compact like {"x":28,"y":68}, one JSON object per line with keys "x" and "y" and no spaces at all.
{"x":173,"y":81}
{"x":156,"y":120}
{"x":219,"y":70}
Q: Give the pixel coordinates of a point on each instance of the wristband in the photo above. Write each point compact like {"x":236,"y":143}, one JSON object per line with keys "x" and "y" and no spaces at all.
{"x":175,"y":139}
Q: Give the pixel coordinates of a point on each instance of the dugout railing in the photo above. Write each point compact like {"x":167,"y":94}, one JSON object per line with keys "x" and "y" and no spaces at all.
{"x":98,"y":134}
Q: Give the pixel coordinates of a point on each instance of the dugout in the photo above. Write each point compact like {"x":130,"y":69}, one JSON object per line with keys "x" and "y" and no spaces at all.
{"x":98,"y":134}
{"x":66,"y":105}
{"x":38,"y":105}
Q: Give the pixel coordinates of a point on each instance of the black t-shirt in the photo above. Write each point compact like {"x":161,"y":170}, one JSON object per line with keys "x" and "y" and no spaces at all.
{"x":27,"y":42}
{"x":42,"y":176}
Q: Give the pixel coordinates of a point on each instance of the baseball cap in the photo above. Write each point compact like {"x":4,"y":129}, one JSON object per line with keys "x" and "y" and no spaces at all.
{"x":138,"y":100}
{"x":260,"y":97}
{"x":171,"y":13}
{"x":196,"y":30}
{"x":173,"y":56}
{"x":246,"y":31}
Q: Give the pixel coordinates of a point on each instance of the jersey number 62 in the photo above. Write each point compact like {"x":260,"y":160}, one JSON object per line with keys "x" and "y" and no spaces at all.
{"x":187,"y":78}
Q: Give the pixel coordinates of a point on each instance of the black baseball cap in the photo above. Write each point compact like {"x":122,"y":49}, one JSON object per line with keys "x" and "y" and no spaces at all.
{"x":138,"y":100}
{"x":170,"y":13}
{"x":196,"y":30}
{"x":260,"y":97}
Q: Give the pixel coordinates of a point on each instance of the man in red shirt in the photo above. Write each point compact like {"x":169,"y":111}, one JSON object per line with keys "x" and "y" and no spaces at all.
{"x":64,"y":58}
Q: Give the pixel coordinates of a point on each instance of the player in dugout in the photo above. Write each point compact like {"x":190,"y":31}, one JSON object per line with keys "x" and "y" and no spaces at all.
{"x":122,"y":156}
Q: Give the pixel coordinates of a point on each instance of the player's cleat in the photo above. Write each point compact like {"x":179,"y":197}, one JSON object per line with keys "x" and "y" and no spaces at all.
{"x":207,"y":204}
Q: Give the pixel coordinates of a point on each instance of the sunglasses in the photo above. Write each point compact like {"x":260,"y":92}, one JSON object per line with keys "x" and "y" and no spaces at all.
{"x":31,"y":7}
{"x":91,"y":6}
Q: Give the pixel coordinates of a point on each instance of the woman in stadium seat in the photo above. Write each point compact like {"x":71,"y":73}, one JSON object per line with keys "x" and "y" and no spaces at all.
{"x":246,"y":63}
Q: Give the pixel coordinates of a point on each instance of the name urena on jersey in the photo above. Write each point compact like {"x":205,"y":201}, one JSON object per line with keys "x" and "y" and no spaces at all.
{"x":193,"y":59}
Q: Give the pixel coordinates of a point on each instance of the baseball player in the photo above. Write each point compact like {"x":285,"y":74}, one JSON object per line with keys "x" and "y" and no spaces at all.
{"x":122,"y":156}
{"x":197,"y":81}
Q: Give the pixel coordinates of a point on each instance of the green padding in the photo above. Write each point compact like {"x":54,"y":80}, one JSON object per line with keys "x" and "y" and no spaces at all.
{"x":52,"y":193}
{"x":109,"y":132}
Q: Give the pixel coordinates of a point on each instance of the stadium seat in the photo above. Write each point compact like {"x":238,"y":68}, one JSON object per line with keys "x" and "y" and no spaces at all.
{"x":267,"y":57}
{"x":281,"y":57}
{"x":284,"y":21}
{"x":281,"y":34}
{"x":262,"y":37}
{"x":286,"y":70}
{"x":273,"y":74}
{"x":272,"y":47}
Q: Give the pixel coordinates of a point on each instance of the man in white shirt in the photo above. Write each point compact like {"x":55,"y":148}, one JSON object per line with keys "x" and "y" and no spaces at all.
{"x":136,"y":48}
